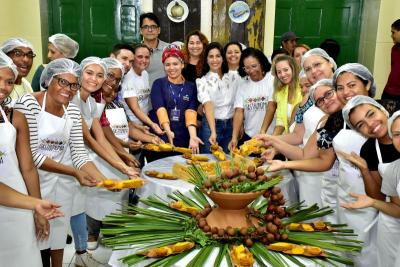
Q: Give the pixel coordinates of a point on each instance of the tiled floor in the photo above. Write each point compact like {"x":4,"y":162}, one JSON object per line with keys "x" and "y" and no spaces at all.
{"x":101,"y":254}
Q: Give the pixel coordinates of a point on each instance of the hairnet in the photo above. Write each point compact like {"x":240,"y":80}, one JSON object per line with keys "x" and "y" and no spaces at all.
{"x":358,"y":70}
{"x":318,"y":52}
{"x":390,"y":122}
{"x":57,"y":67}
{"x":313,"y":88}
{"x":67,"y":46}
{"x":112,"y":63}
{"x":302,"y":74}
{"x":6,"y":62}
{"x":356,"y":101}
{"x":12,"y":43}
{"x":94,"y":60}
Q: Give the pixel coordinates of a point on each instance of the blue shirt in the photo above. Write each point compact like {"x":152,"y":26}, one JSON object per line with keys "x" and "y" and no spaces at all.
{"x":168,"y":95}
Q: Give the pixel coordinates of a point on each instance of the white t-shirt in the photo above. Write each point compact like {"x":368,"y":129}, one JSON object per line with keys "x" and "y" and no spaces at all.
{"x":220,"y":91}
{"x":253,"y":97}
{"x":134,"y":85}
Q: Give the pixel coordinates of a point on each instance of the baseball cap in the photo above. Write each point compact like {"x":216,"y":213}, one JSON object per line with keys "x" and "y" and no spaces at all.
{"x":288,"y":36}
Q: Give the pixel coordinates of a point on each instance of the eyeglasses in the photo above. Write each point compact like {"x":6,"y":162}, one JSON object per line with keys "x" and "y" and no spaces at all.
{"x":64,"y":83}
{"x":20,"y":54}
{"x":251,"y":67}
{"x":112,"y":78}
{"x":328,"y":95}
{"x":149,"y":27}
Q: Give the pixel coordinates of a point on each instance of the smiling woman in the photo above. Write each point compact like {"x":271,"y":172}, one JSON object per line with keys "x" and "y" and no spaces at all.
{"x":57,"y":146}
{"x":174,"y":102}
{"x":370,"y":118}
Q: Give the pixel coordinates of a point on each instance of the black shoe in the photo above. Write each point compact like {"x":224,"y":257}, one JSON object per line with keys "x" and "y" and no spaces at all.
{"x":69,"y":239}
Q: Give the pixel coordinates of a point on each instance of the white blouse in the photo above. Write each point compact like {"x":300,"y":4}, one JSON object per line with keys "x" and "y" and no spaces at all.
{"x":220,"y":91}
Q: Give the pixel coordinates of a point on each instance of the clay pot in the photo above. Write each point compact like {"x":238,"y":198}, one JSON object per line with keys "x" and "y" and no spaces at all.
{"x":233,"y":201}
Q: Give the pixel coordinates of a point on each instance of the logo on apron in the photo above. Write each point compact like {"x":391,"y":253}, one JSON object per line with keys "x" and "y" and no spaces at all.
{"x":51,"y":147}
{"x":120,"y":129}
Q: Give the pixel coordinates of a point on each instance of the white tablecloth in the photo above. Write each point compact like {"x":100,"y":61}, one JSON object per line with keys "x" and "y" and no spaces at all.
{"x":184,"y":262}
{"x":161,"y":188}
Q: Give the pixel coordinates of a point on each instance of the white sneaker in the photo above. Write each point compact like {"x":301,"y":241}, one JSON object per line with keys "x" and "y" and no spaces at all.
{"x":86,"y":260}
{"x":92,"y":245}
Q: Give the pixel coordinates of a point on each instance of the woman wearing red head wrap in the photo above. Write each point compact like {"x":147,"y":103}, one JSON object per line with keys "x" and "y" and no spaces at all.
{"x":174,"y":103}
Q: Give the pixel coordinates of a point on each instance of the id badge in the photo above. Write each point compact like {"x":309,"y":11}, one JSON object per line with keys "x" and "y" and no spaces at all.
{"x":175,"y":114}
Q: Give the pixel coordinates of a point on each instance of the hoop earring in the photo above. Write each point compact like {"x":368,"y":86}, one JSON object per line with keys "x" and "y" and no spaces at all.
{"x":6,"y":101}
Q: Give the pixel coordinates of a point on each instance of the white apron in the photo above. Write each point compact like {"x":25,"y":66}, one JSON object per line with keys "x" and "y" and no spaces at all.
{"x":102,"y":202}
{"x":397,"y":263}
{"x":79,"y":201}
{"x":18,"y":246}
{"x":310,"y":183}
{"x":362,"y":221}
{"x":53,"y":140}
{"x":388,"y":227}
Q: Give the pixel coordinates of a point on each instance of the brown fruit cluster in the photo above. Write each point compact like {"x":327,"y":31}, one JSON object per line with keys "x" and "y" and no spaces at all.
{"x":269,"y":229}
{"x":233,"y":180}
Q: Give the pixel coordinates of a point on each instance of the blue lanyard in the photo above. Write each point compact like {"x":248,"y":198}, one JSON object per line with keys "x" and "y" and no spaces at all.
{"x":173,"y":94}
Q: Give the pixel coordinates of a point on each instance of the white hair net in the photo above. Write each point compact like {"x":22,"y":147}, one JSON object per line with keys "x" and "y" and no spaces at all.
{"x":94,"y":60}
{"x":57,"y":67}
{"x":112,"y":63}
{"x":358,"y":70}
{"x":302,"y":74}
{"x":318,"y":52}
{"x":356,"y":101}
{"x":67,"y":46}
{"x":390,"y":122}
{"x":12,"y":43}
{"x":6,"y":62}
{"x":313,"y":88}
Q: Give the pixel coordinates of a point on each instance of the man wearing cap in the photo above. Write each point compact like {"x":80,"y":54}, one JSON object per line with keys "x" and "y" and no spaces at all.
{"x":150,"y":30}
{"x":21,"y":53}
{"x":289,"y":41}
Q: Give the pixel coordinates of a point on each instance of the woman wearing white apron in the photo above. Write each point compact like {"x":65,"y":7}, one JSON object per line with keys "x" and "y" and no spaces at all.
{"x":17,"y":228}
{"x":103,"y":202}
{"x":370,"y":119}
{"x":93,"y":76}
{"x":314,"y":187}
{"x":53,"y":128}
{"x":349,"y":80}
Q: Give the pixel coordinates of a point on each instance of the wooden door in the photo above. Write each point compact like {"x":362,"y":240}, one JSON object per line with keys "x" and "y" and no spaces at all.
{"x":172,"y":31}
{"x":95,"y":24}
{"x":250,"y":32}
{"x":316,"y":20}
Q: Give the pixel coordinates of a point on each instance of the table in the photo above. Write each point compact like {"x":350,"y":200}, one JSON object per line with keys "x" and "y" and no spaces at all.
{"x":162,"y":188}
{"x":184,"y":262}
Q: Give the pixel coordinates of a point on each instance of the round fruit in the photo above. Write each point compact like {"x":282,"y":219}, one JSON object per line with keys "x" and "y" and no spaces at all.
{"x":284,"y":237}
{"x":269,"y":217}
{"x":260,"y":171}
{"x":276,"y":190}
{"x":249,"y":242}
{"x":252,"y":175}
{"x":214,"y":230}
{"x":277,"y":221}
{"x":221,"y":232}
{"x":202,"y":224}
{"x":267,"y":194}
{"x":242,"y":178}
{"x":270,"y":237}
{"x":243,"y":231}
{"x":251,"y":169}
{"x":206,"y":228}
{"x":230,"y":231}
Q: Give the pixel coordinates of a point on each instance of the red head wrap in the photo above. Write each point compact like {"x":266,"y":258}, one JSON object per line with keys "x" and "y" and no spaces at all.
{"x":172,"y":52}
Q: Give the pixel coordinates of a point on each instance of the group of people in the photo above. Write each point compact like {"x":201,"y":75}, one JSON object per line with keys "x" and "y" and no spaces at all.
{"x":78,"y":124}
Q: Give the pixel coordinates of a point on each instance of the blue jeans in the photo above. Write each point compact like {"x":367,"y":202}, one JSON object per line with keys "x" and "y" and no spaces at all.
{"x":79,"y":231}
{"x":223,"y":129}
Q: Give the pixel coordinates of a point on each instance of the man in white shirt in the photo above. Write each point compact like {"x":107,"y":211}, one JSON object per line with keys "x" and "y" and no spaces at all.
{"x":136,"y":89}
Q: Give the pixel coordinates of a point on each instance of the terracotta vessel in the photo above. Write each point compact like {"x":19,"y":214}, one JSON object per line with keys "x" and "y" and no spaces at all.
{"x":232,"y":209}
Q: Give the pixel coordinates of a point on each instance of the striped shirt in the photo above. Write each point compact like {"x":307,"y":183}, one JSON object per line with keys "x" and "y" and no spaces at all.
{"x":30,"y":107}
